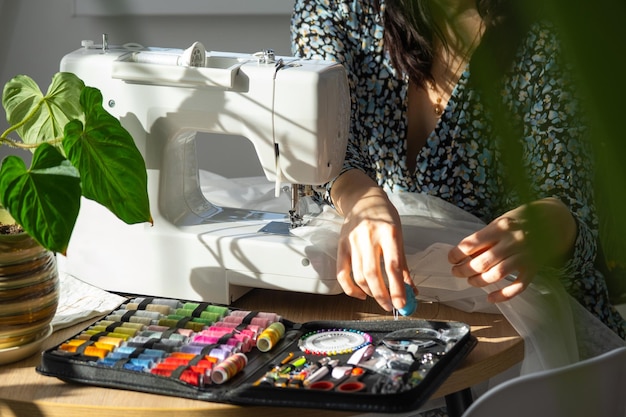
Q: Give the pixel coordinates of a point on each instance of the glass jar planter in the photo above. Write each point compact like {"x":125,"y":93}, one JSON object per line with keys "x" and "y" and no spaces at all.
{"x":29,"y":295}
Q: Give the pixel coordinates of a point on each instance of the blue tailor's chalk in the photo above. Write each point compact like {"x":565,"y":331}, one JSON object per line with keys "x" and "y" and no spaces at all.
{"x":411,"y":302}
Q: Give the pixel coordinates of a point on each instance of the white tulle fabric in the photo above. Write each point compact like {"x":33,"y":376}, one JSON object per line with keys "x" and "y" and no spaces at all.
{"x":557,"y":330}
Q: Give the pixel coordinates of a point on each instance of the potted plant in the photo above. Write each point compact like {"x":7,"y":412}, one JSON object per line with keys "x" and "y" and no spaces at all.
{"x":79,"y":150}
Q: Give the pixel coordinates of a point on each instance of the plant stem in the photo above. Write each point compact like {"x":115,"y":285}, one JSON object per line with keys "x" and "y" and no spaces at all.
{"x":21,"y":145}
{"x":4,"y":139}
{"x":10,"y":142}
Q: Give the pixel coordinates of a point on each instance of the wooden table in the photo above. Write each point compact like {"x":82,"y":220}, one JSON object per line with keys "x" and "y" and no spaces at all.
{"x":25,"y":393}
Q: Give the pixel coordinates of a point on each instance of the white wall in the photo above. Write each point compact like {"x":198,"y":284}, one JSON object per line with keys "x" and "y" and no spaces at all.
{"x":35,"y":34}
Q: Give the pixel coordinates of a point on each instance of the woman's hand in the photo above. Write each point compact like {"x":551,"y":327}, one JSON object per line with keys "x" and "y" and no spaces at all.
{"x":370,"y":242}
{"x":518,"y":242}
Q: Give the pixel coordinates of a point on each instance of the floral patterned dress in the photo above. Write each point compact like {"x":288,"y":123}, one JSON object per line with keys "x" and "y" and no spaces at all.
{"x":463,"y":160}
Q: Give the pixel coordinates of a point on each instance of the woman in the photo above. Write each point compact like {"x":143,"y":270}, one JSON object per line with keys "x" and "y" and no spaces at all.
{"x":464,"y":100}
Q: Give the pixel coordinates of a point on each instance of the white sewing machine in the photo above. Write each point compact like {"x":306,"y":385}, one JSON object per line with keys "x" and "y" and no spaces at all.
{"x":296,"y":114}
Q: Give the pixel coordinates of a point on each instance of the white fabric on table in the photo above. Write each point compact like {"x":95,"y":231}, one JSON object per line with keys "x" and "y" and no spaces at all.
{"x":556,"y":329}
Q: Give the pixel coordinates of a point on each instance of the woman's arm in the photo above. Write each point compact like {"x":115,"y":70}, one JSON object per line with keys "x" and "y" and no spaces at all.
{"x":520,"y":242}
{"x":557,"y":229}
{"x":370,"y":243}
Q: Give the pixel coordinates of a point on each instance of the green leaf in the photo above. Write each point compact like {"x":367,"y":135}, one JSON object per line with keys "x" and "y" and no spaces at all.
{"x":45,"y":200}
{"x":113,"y":171}
{"x":43,"y":117}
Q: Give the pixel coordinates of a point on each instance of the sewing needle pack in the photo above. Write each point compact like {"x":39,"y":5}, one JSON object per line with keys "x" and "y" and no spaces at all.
{"x":215,"y":353}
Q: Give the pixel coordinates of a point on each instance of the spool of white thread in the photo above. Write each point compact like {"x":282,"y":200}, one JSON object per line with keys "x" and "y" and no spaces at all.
{"x":194,"y":56}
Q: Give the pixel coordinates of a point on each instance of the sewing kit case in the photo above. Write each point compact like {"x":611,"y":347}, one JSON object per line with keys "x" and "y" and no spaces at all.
{"x":216,"y":353}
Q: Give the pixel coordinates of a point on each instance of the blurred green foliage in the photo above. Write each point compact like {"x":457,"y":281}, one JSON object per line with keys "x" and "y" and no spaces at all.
{"x":594,"y":37}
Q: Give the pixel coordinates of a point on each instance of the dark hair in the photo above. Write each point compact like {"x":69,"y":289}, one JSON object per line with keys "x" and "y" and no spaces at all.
{"x":410,"y":32}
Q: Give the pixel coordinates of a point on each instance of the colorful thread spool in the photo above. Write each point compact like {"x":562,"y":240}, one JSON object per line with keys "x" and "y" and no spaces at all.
{"x":188,"y":375}
{"x":154,"y":315}
{"x":258,"y":321}
{"x":87,"y":351}
{"x":119,"y":330}
{"x":270,"y":336}
{"x":159,"y":308}
{"x":252,"y":327}
{"x":214,"y":336}
{"x":215,"y":330}
{"x":222,"y":311}
{"x":88,"y":334}
{"x":177,"y":322}
{"x":146,"y":321}
{"x":209,"y":316}
{"x":159,"y":301}
{"x":272,"y":317}
{"x":107,"y":323}
{"x":181,"y":331}
{"x":228,"y":368}
{"x":203,"y":341}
